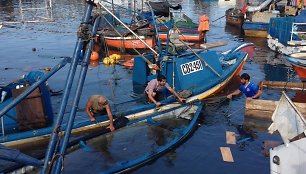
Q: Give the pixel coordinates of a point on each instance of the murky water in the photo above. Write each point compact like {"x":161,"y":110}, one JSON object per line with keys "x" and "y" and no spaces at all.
{"x":201,"y":153}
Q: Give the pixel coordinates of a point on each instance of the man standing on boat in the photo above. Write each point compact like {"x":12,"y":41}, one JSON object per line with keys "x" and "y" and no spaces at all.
{"x":155,"y":87}
{"x":250,"y":90}
{"x":98,"y":105}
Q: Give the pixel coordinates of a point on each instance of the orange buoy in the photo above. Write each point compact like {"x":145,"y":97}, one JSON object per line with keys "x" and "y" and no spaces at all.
{"x":96,"y":48}
{"x":94,"y":56}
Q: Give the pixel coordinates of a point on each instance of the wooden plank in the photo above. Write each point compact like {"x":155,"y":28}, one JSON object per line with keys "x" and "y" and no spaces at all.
{"x":226,"y":154}
{"x":230,"y":137}
{"x":283,"y":85}
{"x":212,"y":45}
{"x":263,"y":109}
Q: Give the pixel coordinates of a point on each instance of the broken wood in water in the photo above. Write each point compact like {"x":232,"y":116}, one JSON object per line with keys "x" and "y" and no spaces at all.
{"x":212,"y":45}
{"x":226,"y":154}
{"x":263,"y":109}
{"x":230,"y":137}
{"x":301,"y":86}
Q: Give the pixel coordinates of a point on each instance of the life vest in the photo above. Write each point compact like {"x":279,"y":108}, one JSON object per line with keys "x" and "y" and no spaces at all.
{"x":204,"y":23}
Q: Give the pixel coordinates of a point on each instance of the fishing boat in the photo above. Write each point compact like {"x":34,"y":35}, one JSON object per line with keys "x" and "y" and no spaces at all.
{"x":120,"y":37}
{"x":257,"y":20}
{"x":234,"y":17}
{"x":298,"y":62}
{"x":136,"y":144}
{"x":291,"y":125}
{"x":184,"y":25}
{"x":287,"y":35}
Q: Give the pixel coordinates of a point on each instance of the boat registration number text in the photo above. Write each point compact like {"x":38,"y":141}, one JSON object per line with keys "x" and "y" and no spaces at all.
{"x":191,"y":67}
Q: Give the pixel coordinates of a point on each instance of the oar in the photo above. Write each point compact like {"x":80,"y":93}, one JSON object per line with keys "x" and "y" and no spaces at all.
{"x":219,"y":18}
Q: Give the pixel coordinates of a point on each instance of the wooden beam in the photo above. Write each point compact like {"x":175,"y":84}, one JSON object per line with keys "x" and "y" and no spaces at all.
{"x":300,"y":86}
{"x":230,"y":137}
{"x":226,"y":154}
{"x":263,"y":109}
{"x":212,"y":45}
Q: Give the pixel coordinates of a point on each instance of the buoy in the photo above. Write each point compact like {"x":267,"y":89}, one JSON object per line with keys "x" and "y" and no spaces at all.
{"x":94,"y":56}
{"x":112,"y":60}
{"x":106,"y":61}
{"x":94,"y":63}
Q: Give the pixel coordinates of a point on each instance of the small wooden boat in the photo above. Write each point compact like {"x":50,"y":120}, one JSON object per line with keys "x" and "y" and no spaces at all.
{"x":291,"y":125}
{"x":298,"y":62}
{"x":136,"y":144}
{"x":188,"y":30}
{"x":120,"y":37}
{"x":234,"y":17}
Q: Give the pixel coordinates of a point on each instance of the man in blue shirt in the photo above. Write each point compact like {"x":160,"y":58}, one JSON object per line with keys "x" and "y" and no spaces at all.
{"x":249,"y":89}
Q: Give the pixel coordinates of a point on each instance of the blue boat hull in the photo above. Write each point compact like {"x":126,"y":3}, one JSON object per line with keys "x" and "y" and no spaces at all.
{"x":124,"y":150}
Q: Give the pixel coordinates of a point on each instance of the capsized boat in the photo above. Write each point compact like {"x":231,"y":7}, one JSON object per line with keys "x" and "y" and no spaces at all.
{"x":298,"y":62}
{"x":136,"y":144}
{"x":291,"y":125}
{"x":287,"y":35}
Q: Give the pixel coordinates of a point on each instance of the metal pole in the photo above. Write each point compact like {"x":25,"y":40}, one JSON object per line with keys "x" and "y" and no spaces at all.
{"x":128,"y":28}
{"x":2,"y":124}
{"x":76,"y":100}
{"x":71,"y":73}
{"x":155,"y":27}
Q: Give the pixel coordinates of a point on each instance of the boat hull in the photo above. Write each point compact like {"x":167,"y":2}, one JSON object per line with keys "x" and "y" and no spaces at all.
{"x":129,"y":42}
{"x":298,"y":62}
{"x":147,"y":139}
{"x":255,"y":29}
{"x":234,"y":17}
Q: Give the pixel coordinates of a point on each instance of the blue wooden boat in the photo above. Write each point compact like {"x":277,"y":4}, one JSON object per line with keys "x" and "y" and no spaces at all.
{"x":203,"y":72}
{"x":255,"y":29}
{"x":287,"y":35}
{"x":141,"y":141}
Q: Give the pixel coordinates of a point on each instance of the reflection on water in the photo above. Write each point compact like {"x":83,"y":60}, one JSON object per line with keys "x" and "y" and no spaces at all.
{"x":277,"y":73}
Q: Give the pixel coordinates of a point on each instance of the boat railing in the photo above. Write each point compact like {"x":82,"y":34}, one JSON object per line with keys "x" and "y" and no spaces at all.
{"x":298,"y":34}
{"x":29,"y":90}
